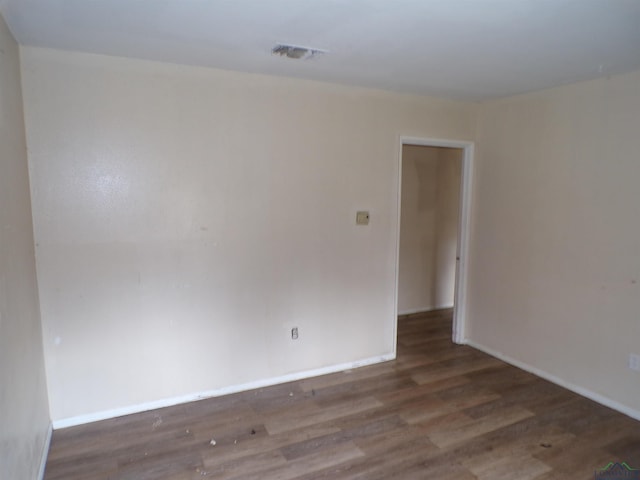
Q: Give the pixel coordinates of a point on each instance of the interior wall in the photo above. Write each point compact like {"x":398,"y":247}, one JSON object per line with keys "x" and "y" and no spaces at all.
{"x":417,"y":270}
{"x":554,"y":280}
{"x":430,"y":201}
{"x":24,"y":409}
{"x":187,"y":218}
{"x":448,"y":186}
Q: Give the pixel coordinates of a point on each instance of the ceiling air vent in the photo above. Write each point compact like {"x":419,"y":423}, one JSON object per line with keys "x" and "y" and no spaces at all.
{"x":296,"y":52}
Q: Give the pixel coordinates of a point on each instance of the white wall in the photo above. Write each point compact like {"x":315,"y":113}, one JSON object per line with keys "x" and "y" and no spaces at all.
{"x":24,"y":411}
{"x":187,"y":218}
{"x":428,"y":227}
{"x":555,"y":249}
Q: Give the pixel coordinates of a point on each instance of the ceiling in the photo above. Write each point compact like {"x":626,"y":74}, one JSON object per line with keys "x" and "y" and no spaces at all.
{"x":463,"y":49}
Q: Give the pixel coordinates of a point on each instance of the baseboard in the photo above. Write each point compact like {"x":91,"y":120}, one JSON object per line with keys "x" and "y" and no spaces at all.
{"x":585,"y":392}
{"x":45,"y":451}
{"x":168,"y":402}
{"x":424,"y":310}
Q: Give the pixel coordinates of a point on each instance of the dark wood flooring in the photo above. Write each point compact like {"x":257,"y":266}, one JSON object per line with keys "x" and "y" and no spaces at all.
{"x":440,"y":411}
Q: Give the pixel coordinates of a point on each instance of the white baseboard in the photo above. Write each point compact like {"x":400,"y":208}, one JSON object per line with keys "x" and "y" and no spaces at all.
{"x":45,"y":451}
{"x":585,"y":392}
{"x":168,"y":402}
{"x":425,"y":309}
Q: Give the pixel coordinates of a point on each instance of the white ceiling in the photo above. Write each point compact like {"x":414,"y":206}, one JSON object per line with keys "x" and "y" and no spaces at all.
{"x":465,"y":49}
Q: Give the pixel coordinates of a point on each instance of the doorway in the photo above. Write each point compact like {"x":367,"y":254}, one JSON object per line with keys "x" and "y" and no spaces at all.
{"x":433,"y":215}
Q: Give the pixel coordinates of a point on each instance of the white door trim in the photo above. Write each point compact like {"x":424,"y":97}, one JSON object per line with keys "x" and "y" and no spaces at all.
{"x":464,"y":228}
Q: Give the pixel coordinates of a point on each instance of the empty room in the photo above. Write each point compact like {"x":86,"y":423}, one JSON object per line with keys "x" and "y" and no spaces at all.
{"x":365,"y":239}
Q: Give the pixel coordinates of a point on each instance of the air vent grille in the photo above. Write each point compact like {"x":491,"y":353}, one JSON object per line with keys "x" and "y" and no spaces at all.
{"x":296,"y":52}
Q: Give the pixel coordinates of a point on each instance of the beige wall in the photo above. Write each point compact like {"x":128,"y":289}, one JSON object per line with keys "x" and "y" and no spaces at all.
{"x":24,"y":411}
{"x":187,"y":218}
{"x":417,"y":271}
{"x":428,"y":227}
{"x":448,"y":210}
{"x":555,"y":247}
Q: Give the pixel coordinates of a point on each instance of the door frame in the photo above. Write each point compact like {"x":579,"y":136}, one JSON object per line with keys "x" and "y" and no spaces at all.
{"x":464,"y":227}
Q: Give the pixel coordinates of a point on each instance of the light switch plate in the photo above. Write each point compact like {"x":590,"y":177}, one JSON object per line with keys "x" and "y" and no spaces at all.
{"x":362,"y":218}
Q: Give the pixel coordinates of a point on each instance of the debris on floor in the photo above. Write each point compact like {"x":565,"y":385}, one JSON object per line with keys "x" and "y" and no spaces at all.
{"x":253,"y":432}
{"x":213,"y":442}
{"x":545,"y":445}
{"x":157,"y":423}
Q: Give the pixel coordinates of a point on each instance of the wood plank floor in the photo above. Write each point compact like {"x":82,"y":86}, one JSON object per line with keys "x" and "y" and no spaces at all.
{"x":439,"y":411}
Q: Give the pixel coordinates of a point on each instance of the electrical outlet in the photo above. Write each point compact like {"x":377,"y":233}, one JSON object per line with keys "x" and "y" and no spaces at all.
{"x":294,"y":333}
{"x":634,"y":362}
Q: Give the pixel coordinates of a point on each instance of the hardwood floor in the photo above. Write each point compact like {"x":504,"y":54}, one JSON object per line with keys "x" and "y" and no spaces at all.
{"x":439,"y":411}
